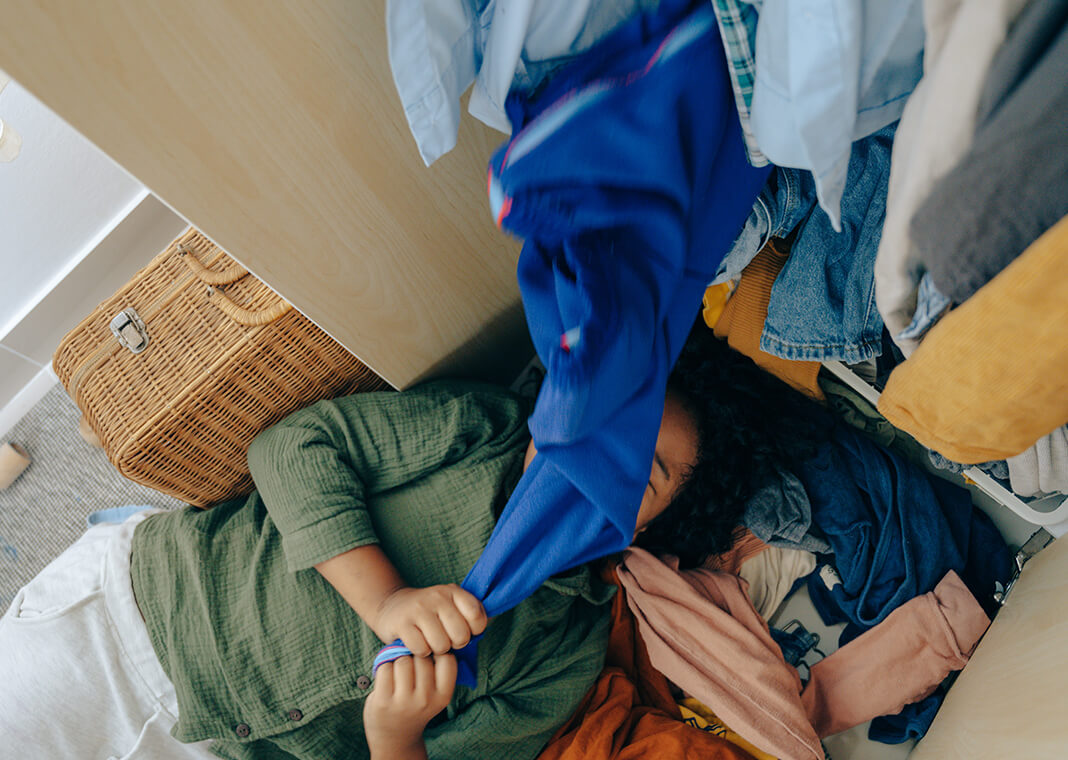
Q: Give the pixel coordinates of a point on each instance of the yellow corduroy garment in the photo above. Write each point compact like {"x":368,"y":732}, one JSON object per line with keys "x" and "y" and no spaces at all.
{"x":991,"y":377}
{"x":741,"y":321}
{"x":696,"y":714}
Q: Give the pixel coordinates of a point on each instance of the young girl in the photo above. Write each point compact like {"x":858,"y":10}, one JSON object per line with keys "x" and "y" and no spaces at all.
{"x":249,"y":629}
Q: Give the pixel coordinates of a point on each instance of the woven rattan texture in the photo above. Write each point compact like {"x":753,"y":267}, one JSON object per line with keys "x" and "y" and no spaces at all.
{"x":179,"y":416}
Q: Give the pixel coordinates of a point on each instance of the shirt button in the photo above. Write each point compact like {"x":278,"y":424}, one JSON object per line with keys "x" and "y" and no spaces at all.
{"x":363,"y":682}
{"x":295,"y":715}
{"x":242,"y":730}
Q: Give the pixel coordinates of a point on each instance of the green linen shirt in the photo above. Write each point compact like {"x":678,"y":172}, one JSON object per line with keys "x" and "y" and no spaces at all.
{"x":270,"y":661}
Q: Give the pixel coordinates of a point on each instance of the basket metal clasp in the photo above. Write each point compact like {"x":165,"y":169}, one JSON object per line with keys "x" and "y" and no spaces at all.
{"x":129,"y":329}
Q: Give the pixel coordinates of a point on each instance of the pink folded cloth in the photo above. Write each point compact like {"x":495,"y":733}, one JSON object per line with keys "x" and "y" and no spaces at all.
{"x":702,"y":632}
{"x":899,"y":661}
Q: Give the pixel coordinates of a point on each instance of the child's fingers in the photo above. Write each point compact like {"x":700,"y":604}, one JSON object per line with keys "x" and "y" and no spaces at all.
{"x":471,"y":608}
{"x":403,"y":675}
{"x":434,"y":633}
{"x":445,"y":675}
{"x":456,"y":626}
{"x":384,"y":681}
{"x":424,"y":678}
{"x":412,"y":637}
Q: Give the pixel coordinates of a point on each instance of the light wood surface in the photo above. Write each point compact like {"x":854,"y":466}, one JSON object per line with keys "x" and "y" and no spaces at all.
{"x":276,"y":130}
{"x":1011,"y":700}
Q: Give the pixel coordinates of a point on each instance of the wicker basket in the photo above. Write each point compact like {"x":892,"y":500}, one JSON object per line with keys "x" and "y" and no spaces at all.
{"x":177,"y":389}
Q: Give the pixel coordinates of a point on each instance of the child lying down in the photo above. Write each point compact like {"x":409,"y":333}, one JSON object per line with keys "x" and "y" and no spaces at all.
{"x":248,"y":630}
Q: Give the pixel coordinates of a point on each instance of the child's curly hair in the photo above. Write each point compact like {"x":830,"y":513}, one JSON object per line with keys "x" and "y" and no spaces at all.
{"x":751,"y":426}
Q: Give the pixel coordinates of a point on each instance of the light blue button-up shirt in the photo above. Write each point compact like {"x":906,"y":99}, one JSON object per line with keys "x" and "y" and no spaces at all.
{"x":829,"y":72}
{"x":438,"y":48}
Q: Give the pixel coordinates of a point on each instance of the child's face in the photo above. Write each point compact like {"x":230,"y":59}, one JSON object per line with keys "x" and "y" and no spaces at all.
{"x":675,"y":455}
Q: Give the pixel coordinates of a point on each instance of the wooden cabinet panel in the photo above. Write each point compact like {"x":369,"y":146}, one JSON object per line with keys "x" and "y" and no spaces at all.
{"x":276,"y":130}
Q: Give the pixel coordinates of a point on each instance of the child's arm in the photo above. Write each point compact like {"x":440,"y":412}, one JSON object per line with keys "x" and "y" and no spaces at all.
{"x":428,"y":620}
{"x":408,"y":693}
{"x":317,"y":469}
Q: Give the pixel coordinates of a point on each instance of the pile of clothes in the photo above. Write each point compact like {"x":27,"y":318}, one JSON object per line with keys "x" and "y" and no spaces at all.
{"x":882,"y":184}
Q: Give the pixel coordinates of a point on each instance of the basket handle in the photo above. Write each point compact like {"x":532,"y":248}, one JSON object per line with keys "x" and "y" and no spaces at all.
{"x":247,"y":317}
{"x":229,"y":275}
{"x":232,"y":273}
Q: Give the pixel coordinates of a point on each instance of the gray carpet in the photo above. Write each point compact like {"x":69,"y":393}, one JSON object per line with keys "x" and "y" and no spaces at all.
{"x":45,"y":510}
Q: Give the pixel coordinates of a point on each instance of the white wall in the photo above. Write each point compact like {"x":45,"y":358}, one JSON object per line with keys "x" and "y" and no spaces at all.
{"x":74,"y":226}
{"x":56,"y":197}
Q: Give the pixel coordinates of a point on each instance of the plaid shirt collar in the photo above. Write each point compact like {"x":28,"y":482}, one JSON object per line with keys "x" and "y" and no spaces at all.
{"x":737,"y":21}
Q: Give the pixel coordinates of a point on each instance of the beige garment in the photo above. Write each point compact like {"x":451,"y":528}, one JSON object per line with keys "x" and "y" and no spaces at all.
{"x":991,"y":377}
{"x":1010,"y":702}
{"x":772,"y":573}
{"x":935,"y":131}
{"x":702,"y":632}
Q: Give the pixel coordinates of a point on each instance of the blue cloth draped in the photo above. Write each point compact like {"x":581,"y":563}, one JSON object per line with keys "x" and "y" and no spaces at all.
{"x":628,"y":180}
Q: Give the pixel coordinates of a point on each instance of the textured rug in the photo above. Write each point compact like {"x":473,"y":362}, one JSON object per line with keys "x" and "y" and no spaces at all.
{"x":45,"y":510}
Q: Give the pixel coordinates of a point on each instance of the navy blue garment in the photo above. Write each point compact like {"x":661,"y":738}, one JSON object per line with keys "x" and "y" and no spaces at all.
{"x":911,"y":723}
{"x":895,"y":532}
{"x":627,"y":177}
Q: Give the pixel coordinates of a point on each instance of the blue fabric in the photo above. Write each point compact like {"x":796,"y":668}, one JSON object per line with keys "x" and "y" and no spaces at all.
{"x":895,"y":532}
{"x":829,"y":72}
{"x":627,"y":177}
{"x":822,"y":305}
{"x":783,"y":204}
{"x":113,"y":514}
{"x":778,"y":513}
{"x":911,"y":723}
{"x":997,"y":468}
{"x":931,"y":305}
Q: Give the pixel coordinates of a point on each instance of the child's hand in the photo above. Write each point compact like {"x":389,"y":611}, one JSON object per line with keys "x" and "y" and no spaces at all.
{"x":408,"y":693}
{"x":429,"y":620}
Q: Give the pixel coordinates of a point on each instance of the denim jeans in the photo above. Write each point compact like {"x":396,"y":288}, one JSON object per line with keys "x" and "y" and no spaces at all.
{"x":822,"y":305}
{"x":931,"y":306}
{"x":785,"y":201}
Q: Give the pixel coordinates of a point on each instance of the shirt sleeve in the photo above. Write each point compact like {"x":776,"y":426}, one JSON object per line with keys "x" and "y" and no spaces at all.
{"x":317,"y":469}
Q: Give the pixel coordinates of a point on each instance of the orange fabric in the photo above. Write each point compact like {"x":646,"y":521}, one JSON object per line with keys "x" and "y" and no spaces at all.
{"x":627,"y":651}
{"x":742,"y":321}
{"x":630,"y":714}
{"x":991,"y":377}
{"x":612,"y":724}
{"x":746,"y":546}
